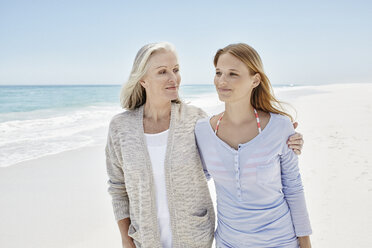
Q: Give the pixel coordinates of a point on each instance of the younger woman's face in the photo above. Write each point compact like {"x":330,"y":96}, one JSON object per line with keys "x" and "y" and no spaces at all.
{"x":233,"y":80}
{"x":162,"y":79}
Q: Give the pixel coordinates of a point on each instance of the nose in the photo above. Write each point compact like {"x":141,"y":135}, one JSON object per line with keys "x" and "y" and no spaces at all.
{"x":173,"y":77}
{"x":221,"y":80}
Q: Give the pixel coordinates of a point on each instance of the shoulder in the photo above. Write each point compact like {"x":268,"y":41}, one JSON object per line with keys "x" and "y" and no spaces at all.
{"x":207,"y":122}
{"x":202,"y":126}
{"x":119,"y":120}
{"x":202,"y":122}
{"x":283,"y":123}
{"x":282,"y":119}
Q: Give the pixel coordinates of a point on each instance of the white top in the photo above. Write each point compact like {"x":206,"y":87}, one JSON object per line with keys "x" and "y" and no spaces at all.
{"x":157,"y":146}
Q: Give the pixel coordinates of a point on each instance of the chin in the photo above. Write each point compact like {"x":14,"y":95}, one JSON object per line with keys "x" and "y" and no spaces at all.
{"x":223,"y":98}
{"x":172,"y":97}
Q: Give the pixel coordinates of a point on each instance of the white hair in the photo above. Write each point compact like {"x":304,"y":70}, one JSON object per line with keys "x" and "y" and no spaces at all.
{"x":132,"y":94}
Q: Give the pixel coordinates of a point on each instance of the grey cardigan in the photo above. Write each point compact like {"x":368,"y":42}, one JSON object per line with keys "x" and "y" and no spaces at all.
{"x":131,"y":183}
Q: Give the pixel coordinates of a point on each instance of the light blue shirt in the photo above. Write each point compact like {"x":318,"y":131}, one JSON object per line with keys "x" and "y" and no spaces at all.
{"x":260,"y":197}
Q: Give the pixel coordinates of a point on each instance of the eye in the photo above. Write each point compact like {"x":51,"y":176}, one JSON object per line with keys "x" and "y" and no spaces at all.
{"x":175,"y":70}
{"x":233,"y":74}
{"x":162,"y":72}
{"x":218,"y":73}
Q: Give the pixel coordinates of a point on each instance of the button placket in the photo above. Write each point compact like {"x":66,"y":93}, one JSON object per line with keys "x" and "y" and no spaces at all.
{"x":237,"y":173}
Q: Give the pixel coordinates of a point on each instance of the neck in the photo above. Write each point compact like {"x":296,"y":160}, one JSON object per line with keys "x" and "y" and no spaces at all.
{"x":239,"y":112}
{"x":157,"y":110}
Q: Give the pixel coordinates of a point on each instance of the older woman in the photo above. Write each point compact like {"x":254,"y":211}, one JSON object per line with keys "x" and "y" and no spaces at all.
{"x":159,"y":192}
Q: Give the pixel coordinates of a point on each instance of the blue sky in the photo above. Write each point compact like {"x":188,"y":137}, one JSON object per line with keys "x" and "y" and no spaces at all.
{"x":94,"y":42}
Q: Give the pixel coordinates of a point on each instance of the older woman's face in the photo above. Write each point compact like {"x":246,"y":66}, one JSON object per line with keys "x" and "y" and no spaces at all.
{"x":162,"y":79}
{"x":233,"y":80}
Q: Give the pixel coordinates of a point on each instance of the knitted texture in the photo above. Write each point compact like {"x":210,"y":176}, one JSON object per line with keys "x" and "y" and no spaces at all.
{"x":131,"y":182}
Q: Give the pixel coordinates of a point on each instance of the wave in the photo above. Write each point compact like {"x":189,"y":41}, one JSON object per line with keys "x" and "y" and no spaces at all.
{"x":22,"y":140}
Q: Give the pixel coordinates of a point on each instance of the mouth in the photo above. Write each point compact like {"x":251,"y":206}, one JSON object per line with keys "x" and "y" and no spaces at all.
{"x":171,"y":87}
{"x":223,"y":90}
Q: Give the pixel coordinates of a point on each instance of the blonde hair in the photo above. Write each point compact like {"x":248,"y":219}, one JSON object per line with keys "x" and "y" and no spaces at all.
{"x":132,"y":94}
{"x":262,"y":97}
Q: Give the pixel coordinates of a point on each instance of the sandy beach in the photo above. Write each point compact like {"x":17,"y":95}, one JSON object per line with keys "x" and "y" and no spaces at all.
{"x":61,"y":200}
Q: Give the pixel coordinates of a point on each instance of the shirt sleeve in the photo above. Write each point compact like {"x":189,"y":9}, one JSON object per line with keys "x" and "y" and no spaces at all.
{"x":293,"y":189}
{"x":116,"y":189}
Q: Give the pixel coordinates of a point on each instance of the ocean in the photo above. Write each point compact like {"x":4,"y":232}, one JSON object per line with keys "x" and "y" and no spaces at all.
{"x":39,"y":120}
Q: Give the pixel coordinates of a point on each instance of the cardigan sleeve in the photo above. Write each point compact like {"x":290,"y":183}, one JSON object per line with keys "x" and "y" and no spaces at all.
{"x":292,"y":186}
{"x":198,"y":138}
{"x":116,"y":189}
{"x":205,"y":170}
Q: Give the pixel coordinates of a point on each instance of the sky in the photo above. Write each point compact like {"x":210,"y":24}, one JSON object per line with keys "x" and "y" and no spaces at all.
{"x":95,"y":42}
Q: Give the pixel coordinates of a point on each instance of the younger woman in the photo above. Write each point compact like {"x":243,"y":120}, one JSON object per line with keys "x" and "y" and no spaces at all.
{"x":260,"y":198}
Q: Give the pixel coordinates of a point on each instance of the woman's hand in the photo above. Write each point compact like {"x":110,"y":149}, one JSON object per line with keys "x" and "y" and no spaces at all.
{"x":296,"y":141}
{"x":304,"y":242}
{"x":128,"y":243}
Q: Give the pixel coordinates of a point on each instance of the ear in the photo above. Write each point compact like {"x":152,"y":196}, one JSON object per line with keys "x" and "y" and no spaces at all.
{"x":143,"y":83}
{"x":256,"y":80}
